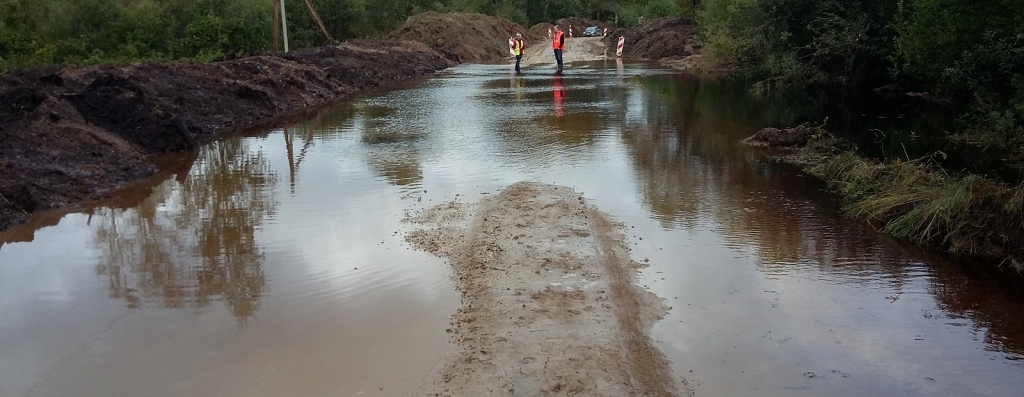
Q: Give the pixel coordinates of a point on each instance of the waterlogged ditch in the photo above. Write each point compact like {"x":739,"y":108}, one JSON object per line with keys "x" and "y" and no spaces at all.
{"x":277,"y":264}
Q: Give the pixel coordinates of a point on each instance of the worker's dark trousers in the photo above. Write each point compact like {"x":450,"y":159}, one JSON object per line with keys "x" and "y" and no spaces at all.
{"x":518,"y":58}
{"x":558,"y":58}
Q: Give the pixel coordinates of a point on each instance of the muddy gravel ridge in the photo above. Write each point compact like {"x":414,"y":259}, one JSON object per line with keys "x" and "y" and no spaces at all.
{"x":70,"y":134}
{"x":549,"y":301}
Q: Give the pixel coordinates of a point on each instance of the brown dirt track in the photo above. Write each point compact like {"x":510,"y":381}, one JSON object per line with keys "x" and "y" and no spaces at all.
{"x":73,"y":134}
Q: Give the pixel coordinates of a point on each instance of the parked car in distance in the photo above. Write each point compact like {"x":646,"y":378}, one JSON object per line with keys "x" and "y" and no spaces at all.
{"x":592,"y":31}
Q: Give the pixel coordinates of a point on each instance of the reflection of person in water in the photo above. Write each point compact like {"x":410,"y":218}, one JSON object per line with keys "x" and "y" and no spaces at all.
{"x":518,"y":83}
{"x":559,"y":96}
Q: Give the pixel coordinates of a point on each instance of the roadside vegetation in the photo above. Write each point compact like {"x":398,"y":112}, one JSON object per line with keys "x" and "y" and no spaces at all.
{"x":969,"y":54}
{"x":921,"y":202}
{"x":40,"y":32}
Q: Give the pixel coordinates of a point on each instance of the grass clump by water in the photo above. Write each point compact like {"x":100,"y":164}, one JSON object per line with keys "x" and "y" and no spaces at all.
{"x":920,"y":202}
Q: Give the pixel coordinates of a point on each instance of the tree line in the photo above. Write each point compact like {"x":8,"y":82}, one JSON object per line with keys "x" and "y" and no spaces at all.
{"x":971,"y":52}
{"x":38,"y":32}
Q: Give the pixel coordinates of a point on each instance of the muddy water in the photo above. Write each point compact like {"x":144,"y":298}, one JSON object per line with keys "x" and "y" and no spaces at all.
{"x":274,"y":264}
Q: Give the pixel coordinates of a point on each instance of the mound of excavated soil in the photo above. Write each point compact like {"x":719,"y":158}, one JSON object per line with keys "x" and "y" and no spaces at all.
{"x":549,"y":304}
{"x":669,"y":37}
{"x":73,"y":134}
{"x":472,"y":37}
{"x":542,"y":30}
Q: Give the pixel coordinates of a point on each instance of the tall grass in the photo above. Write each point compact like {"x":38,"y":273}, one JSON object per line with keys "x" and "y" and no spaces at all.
{"x":920,"y":202}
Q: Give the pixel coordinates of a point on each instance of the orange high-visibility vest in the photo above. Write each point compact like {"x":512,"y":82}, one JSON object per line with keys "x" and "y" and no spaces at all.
{"x":557,"y":42}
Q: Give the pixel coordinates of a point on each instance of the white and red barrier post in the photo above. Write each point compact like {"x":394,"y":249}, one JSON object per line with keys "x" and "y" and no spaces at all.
{"x":618,"y":50}
{"x":605,"y":32}
{"x":512,"y":47}
{"x":570,"y":30}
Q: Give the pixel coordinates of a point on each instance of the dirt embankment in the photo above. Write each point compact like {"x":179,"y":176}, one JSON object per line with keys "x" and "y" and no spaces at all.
{"x":542,"y":30}
{"x":672,"y":40}
{"x":549,"y":303}
{"x":73,"y":134}
{"x":471,"y":37}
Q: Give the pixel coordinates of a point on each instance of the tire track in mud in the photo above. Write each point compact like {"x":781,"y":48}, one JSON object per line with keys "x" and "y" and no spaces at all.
{"x":549,"y":302}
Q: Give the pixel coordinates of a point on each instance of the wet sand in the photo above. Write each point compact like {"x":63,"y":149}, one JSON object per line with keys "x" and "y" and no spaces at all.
{"x":549,"y":303}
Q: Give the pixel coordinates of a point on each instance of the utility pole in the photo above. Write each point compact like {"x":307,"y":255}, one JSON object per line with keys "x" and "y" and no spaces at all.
{"x":284,"y":26}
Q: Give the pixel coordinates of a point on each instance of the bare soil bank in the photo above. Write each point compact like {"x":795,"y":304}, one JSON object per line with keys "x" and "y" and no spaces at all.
{"x":75,"y":133}
{"x":471,"y":37}
{"x":549,"y":303}
{"x":672,"y":40}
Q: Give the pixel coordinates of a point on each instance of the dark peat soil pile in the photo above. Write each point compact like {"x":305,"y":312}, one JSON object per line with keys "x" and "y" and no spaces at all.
{"x":669,"y":37}
{"x":73,"y":134}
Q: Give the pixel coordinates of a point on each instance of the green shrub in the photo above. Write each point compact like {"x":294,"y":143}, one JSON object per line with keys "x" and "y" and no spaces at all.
{"x":660,"y":8}
{"x":920,"y":202}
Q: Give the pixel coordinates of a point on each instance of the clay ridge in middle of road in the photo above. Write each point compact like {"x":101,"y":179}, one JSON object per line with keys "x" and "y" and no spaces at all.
{"x":549,"y":303}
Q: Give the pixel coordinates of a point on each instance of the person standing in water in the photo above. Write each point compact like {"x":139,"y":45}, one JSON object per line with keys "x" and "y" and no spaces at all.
{"x":558,"y":43}
{"x":517,"y":48}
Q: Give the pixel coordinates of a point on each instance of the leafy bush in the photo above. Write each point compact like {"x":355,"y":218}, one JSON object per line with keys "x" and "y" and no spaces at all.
{"x":973,"y":53}
{"x":790,"y":44}
{"x":660,"y":8}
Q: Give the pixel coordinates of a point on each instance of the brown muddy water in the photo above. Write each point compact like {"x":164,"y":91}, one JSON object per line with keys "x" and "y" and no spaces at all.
{"x":274,"y":265}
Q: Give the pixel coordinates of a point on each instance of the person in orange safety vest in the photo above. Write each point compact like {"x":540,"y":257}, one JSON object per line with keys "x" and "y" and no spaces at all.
{"x":558,"y":43}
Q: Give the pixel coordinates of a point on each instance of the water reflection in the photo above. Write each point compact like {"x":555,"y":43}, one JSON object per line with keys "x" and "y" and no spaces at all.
{"x":193,"y":241}
{"x":990,"y":299}
{"x":324,"y":124}
{"x":559,"y":92}
{"x":694,"y":174}
{"x":392,"y":146}
{"x":401,"y":167}
{"x":518,"y":84}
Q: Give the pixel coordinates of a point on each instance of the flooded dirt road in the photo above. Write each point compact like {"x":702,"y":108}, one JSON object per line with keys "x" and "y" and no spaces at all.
{"x":277,"y":264}
{"x":577,"y":49}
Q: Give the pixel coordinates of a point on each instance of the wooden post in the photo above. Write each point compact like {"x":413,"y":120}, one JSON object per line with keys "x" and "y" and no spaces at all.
{"x":284,"y":26}
{"x":316,"y":17}
{"x":277,"y":21}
